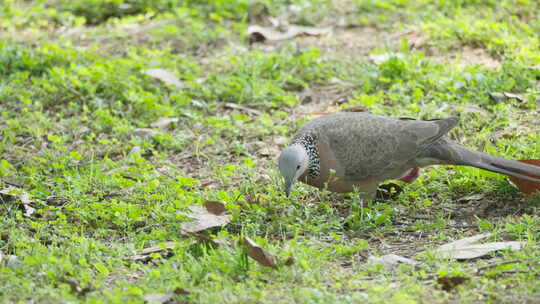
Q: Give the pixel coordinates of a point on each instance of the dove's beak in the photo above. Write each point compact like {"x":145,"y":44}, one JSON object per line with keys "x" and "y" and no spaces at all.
{"x":288,"y":186}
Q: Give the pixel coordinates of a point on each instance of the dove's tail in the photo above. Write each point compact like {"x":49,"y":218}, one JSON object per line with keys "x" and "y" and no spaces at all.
{"x":455,"y":154}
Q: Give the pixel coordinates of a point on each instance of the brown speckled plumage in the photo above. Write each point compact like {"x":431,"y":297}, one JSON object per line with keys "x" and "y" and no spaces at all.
{"x":364,"y":150}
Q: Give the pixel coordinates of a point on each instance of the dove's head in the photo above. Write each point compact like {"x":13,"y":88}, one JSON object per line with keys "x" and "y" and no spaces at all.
{"x":293,"y":162}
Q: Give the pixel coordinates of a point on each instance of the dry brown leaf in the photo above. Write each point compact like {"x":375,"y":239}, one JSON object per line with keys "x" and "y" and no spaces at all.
{"x":268,"y":151}
{"x":514,"y":96}
{"x":160,"y":298}
{"x":248,"y":110}
{"x":468,"y":248}
{"x":255,"y":252}
{"x":144,"y":132}
{"x":356,"y":109}
{"x":181,"y":291}
{"x":164,"y":122}
{"x":289,"y":261}
{"x":526,"y":186}
{"x":390,"y":261}
{"x":14,"y":193}
{"x":498,"y":96}
{"x":473,"y":197}
{"x":216,"y":208}
{"x":449,"y":283}
{"x":258,"y":33}
{"x":203,"y":219}
{"x":165,"y":76}
{"x":144,"y":256}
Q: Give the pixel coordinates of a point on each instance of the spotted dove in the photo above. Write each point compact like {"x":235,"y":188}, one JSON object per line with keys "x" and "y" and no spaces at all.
{"x":343,"y":151}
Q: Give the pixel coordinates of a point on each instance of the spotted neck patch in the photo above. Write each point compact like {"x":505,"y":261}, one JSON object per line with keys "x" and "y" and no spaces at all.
{"x":308,"y":143}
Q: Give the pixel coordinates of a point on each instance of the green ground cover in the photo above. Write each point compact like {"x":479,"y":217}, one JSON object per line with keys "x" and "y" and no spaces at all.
{"x":89,"y":180}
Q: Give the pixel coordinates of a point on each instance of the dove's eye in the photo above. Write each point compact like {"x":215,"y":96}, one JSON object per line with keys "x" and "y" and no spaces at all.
{"x":298,"y":167}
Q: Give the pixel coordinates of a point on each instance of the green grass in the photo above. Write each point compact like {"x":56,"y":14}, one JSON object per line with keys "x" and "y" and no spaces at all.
{"x":73,"y":94}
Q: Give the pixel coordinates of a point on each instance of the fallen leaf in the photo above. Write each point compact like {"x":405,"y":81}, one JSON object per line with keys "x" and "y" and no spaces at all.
{"x":165,"y":76}
{"x":268,"y":151}
{"x":203,"y":219}
{"x":144,"y":255}
{"x":181,"y":291}
{"x":380,"y":58}
{"x":356,"y":109}
{"x":473,"y":197}
{"x":390,"y":261}
{"x":57,"y":201}
{"x":498,"y":96}
{"x":448,"y":283}
{"x":514,"y":96}
{"x":467,"y":248}
{"x":255,"y":252}
{"x":289,"y":261}
{"x":144,"y":132}
{"x":526,"y":186}
{"x":214,"y":207}
{"x":258,"y":33}
{"x":235,"y":106}
{"x":164,"y":122}
{"x":12,"y":193}
{"x":161,"y":298}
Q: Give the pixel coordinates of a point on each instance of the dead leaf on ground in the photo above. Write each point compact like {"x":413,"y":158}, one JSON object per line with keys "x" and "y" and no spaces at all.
{"x":258,"y":33}
{"x":268,"y":151}
{"x":289,"y":261}
{"x":144,"y":255}
{"x":164,"y":122}
{"x":12,"y":194}
{"x":248,"y":110}
{"x":468,"y":248}
{"x":203,"y":219}
{"x":165,"y":76}
{"x":214,"y":207}
{"x":161,"y":298}
{"x":525,"y":186}
{"x":255,"y":252}
{"x":57,"y":201}
{"x":473,"y":197}
{"x":181,"y":291}
{"x":355,"y":109}
{"x":498,"y":96}
{"x":449,"y":283}
{"x":390,"y":261}
{"x":144,"y":132}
